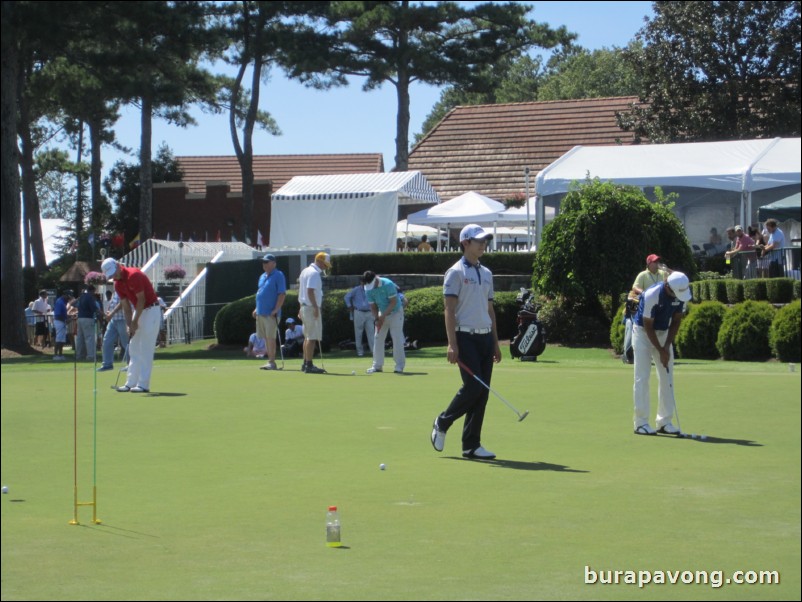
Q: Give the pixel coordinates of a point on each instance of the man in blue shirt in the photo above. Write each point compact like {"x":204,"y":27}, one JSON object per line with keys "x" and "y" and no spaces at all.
{"x":88,"y":314}
{"x":61,"y":311}
{"x":773,"y":248}
{"x":269,"y":299}
{"x":388,"y":316}
{"x":655,"y":326}
{"x":356,"y":300}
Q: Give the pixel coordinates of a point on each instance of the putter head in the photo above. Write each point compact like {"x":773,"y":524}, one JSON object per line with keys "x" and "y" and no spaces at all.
{"x":524,"y":415}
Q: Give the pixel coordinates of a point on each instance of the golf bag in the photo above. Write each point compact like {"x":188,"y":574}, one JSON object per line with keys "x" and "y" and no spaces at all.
{"x":531,"y":338}
{"x":628,"y":356}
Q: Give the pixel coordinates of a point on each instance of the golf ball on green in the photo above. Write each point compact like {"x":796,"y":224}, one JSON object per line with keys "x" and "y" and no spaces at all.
{"x":382,"y":467}
{"x":5,"y":489}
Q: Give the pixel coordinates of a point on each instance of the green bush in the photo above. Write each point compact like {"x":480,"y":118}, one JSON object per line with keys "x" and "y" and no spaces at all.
{"x":423,"y":317}
{"x":797,"y":289}
{"x":735,"y":291}
{"x":428,"y":263}
{"x":744,"y":332}
{"x":618,"y":330}
{"x":784,"y":337}
{"x":571,"y":324}
{"x":780,"y":290}
{"x":699,"y":291}
{"x":698,"y":331}
{"x":717,"y":290}
{"x":755,"y":290}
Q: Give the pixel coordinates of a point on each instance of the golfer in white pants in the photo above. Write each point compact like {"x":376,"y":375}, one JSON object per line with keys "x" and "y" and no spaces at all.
{"x":389,"y":317}
{"x":143,"y":316}
{"x":655,"y":325}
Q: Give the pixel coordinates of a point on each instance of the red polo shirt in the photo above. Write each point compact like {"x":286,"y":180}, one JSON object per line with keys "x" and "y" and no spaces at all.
{"x":132,"y":281}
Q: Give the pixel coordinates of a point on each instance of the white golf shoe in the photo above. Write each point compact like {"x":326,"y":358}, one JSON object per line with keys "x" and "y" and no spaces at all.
{"x":438,"y":437}
{"x":668,"y":429}
{"x":480,"y":453}
{"x":645,"y":429}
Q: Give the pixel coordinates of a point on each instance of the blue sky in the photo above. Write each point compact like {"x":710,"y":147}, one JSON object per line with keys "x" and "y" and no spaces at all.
{"x":348,"y":120}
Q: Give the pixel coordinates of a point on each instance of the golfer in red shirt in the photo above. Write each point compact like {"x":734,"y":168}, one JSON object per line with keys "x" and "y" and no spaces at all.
{"x":142,"y":315}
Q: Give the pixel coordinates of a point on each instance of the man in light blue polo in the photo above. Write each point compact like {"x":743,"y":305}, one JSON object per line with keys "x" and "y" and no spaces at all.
{"x":269,"y":299}
{"x":472,"y":340}
{"x":388,"y":316}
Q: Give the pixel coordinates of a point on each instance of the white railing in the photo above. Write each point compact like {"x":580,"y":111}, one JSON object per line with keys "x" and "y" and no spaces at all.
{"x":185,"y":317}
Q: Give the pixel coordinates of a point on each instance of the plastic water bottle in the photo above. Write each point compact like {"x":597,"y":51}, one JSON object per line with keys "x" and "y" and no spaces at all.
{"x":333,"y":528}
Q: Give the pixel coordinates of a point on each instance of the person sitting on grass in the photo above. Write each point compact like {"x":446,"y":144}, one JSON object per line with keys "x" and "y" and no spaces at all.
{"x":257,"y":346}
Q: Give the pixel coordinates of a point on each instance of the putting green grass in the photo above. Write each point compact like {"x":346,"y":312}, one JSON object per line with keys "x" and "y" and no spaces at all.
{"x":215,"y":485}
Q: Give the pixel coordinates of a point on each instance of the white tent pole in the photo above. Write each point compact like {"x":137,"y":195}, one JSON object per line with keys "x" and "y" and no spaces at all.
{"x":528,"y":221}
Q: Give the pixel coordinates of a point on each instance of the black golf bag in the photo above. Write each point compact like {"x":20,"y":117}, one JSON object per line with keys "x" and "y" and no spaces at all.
{"x":628,"y":356}
{"x":531,"y":338}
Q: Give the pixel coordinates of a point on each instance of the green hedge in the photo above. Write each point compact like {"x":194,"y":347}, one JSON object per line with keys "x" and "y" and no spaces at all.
{"x":428,"y":263}
{"x":698,"y":331}
{"x":423,"y":317}
{"x":784,"y":337}
{"x":744,"y":332}
{"x":618,"y":330}
{"x":731,"y":291}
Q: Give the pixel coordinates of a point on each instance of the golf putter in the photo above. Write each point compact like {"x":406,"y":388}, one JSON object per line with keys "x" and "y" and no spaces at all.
{"x":123,"y":368}
{"x":486,"y":386}
{"x":280,"y":347}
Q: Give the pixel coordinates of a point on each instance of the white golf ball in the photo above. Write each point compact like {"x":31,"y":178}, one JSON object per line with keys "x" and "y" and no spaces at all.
{"x":382,"y":466}
{"x":214,"y":368}
{"x":353,"y":372}
{"x":5,"y":489}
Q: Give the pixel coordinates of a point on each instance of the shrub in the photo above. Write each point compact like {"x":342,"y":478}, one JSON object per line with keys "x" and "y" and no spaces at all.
{"x":735,"y":291}
{"x":618,"y":330}
{"x":698,"y":331}
{"x":755,"y":290}
{"x":744,"y":332}
{"x":717,"y":290}
{"x":571,"y":324}
{"x":784,"y":337}
{"x":699,"y":291}
{"x":797,"y":289}
{"x":779,"y":290}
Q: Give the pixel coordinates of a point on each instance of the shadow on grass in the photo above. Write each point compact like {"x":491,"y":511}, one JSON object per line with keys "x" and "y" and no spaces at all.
{"x":165,"y":394}
{"x":519,"y":465}
{"x":107,"y":529}
{"x":709,"y":439}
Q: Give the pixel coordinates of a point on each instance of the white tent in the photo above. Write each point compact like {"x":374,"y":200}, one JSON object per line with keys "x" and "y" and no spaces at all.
{"x":468,"y":208}
{"x":741,"y":167}
{"x":354,"y":211}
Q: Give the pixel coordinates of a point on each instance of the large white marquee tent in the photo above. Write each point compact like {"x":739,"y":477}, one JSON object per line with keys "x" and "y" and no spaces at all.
{"x":354,"y":211}
{"x":742,"y":174}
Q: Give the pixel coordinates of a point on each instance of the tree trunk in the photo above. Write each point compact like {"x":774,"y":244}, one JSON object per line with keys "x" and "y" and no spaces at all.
{"x":146,"y":173}
{"x":402,"y":118}
{"x":79,"y":191}
{"x":33,"y":245}
{"x":95,"y":128}
{"x":13,"y":333}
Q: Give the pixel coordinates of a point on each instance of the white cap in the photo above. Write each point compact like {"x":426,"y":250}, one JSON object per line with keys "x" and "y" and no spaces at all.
{"x":371,"y":285}
{"x":680,"y":285}
{"x":473,"y":231}
{"x":109,"y":267}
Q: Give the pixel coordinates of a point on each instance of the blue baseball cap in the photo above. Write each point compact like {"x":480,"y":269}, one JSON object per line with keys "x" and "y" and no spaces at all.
{"x":268,"y":257}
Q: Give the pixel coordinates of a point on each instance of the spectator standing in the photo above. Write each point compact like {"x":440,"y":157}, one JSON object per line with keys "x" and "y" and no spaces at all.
{"x":424,"y":244}
{"x":41,"y":310}
{"x":356,"y":300}
{"x":88,"y":316}
{"x":773,"y":249}
{"x":310,"y":296}
{"x":269,"y":299}
{"x":116,"y":332}
{"x":61,"y":315}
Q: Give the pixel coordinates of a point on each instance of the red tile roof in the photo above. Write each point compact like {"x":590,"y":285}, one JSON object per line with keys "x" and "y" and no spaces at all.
{"x":485,"y":148}
{"x":278,"y":168}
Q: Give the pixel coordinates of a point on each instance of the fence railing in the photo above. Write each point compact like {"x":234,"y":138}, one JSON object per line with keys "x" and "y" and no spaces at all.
{"x":783,"y":262}
{"x":187,"y":323}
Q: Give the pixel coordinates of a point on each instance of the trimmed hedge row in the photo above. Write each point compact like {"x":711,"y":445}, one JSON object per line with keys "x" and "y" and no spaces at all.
{"x":731,"y":291}
{"x":748,"y":331}
{"x":429,"y":263}
{"x":423,"y":317}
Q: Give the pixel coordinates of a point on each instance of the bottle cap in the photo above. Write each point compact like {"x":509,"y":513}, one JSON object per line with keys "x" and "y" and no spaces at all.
{"x":332,"y":508}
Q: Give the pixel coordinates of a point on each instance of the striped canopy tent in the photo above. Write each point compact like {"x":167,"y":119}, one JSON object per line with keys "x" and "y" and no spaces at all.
{"x":358,"y":212}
